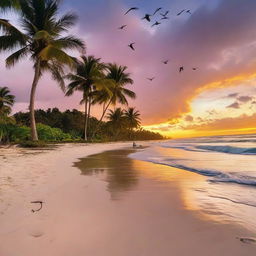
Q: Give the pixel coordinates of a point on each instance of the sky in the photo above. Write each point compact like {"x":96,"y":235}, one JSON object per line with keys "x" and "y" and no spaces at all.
{"x":218,"y":38}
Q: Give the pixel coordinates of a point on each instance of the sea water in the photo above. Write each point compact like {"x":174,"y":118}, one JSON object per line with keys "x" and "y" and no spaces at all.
{"x":229,"y":165}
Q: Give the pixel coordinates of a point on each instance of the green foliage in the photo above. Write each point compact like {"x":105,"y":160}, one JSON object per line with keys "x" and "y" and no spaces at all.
{"x":40,"y":36}
{"x":10,"y":132}
{"x":47,"y":133}
{"x":6,"y":101}
{"x":71,"y":122}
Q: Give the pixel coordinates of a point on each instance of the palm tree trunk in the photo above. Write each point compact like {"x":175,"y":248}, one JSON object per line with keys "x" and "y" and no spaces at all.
{"x":85,"y":118}
{"x":101,"y":118}
{"x":34,"y":135}
{"x":89,"y":112}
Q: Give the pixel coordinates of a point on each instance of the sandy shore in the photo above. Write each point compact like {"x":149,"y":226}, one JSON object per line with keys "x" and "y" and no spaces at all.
{"x":118,"y":207}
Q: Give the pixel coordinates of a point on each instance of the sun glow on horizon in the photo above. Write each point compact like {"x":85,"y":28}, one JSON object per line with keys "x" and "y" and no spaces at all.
{"x":220,"y":108}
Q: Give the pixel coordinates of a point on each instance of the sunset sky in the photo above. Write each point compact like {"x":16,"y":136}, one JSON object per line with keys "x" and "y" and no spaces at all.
{"x":218,"y":38}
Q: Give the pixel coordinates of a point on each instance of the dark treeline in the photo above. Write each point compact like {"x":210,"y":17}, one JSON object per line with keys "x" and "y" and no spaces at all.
{"x":71,"y":122}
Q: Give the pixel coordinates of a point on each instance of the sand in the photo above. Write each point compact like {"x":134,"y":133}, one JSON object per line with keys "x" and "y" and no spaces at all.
{"x":105,"y":205}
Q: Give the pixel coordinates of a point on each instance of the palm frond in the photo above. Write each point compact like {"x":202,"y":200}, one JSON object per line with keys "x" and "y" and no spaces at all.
{"x":65,"y":22}
{"x":9,"y":4}
{"x":16,"y":56}
{"x":72,"y":87}
{"x":57,"y":73}
{"x":52,"y":53}
{"x":10,"y":42}
{"x":26,"y":10}
{"x":129,"y":93}
{"x":69,"y":42}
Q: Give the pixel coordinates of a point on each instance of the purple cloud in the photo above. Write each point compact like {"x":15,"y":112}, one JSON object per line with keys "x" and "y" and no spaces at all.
{"x":235,"y":105}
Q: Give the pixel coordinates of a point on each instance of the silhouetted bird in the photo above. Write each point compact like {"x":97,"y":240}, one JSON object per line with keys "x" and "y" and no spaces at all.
{"x":188,"y":11}
{"x":122,"y":27}
{"x":194,"y":68}
{"x":157,"y":10}
{"x":156,"y":24}
{"x":166,"y":62}
{"x":181,"y":12}
{"x":164,"y":14}
{"x":151,"y":79}
{"x":131,"y":46}
{"x":147,"y":17}
{"x":165,"y":18}
{"x":132,"y":9}
{"x":181,"y":69}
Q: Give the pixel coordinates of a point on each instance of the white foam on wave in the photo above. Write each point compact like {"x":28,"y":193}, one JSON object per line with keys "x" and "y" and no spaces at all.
{"x":228,"y":149}
{"x":217,"y":176}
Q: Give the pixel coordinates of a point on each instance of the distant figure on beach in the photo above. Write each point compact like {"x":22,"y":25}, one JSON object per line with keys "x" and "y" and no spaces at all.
{"x":134,"y":145}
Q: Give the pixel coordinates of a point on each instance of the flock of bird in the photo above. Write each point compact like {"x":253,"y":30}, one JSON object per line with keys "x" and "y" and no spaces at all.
{"x":148,"y":17}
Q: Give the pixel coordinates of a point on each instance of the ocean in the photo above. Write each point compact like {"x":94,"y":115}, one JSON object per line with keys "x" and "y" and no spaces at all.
{"x":229,"y":165}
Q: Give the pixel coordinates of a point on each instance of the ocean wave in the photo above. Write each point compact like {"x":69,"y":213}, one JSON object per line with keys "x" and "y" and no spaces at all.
{"x":229,"y":149}
{"x":221,"y":149}
{"x":217,"y":176}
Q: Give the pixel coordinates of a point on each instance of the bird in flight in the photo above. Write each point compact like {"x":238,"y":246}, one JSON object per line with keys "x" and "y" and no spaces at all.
{"x":122,"y":27}
{"x":165,"y":18}
{"x":164,"y":14}
{"x":188,"y":11}
{"x":132,"y":9}
{"x":147,"y":17}
{"x":180,"y":12}
{"x":181,"y":69}
{"x":157,"y":10}
{"x":166,"y":62}
{"x":131,"y":46}
{"x":151,"y":79}
{"x":156,"y":24}
{"x":194,"y":68}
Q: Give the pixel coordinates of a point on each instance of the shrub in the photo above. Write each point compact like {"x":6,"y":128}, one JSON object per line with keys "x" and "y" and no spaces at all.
{"x":48,"y":133}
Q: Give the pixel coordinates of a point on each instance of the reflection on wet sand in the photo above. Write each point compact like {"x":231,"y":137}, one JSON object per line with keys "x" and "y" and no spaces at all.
{"x":122,"y":174}
{"x":117,"y":169}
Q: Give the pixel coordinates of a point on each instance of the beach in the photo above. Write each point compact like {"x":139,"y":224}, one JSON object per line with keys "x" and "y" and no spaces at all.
{"x":99,"y":201}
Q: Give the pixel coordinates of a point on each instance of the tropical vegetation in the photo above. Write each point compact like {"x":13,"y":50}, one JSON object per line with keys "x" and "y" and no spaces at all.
{"x":42,"y":35}
{"x":42,"y":40}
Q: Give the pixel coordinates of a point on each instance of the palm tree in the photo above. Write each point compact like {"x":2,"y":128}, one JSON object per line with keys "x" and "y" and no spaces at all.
{"x":121,"y":79}
{"x":116,"y":120}
{"x":6,"y":101}
{"x":132,"y":117}
{"x":41,"y":40}
{"x":89,"y":77}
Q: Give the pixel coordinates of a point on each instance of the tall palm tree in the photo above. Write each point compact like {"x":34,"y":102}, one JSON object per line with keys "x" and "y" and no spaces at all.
{"x":89,"y":76}
{"x":6,"y":101}
{"x":42,"y":40}
{"x":121,"y":79}
{"x":116,"y":120}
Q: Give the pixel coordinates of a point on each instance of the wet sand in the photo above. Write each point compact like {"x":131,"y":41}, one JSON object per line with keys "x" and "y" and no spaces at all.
{"x":105,"y":205}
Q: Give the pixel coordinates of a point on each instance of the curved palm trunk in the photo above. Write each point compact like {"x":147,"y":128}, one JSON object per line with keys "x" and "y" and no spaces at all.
{"x":89,"y":113}
{"x":101,"y":118}
{"x":85,"y":118}
{"x":34,"y":135}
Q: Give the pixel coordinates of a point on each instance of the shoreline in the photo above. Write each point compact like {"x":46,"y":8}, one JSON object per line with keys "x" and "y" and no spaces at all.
{"x":80,"y":211}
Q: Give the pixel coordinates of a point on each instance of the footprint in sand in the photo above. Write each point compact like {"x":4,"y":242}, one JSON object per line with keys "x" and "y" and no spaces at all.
{"x":247,"y":240}
{"x":36,"y":233}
